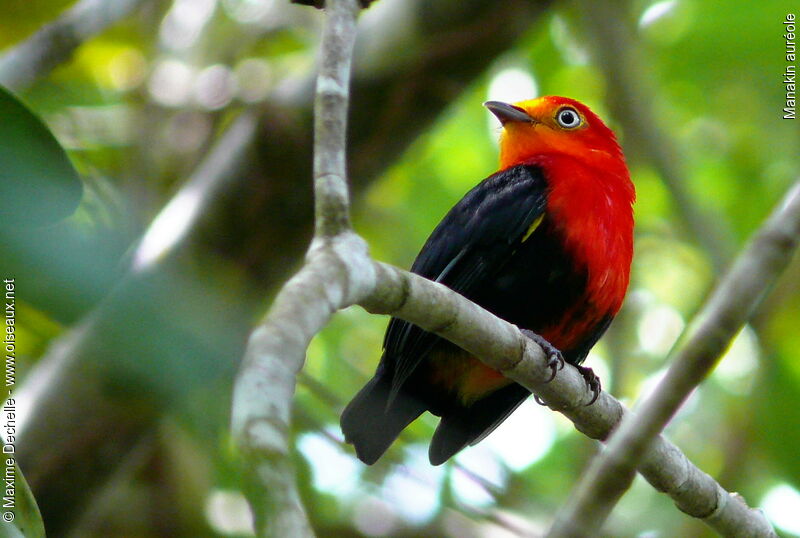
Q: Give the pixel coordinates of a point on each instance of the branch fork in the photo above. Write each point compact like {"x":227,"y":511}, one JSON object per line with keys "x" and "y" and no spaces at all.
{"x":339,"y":273}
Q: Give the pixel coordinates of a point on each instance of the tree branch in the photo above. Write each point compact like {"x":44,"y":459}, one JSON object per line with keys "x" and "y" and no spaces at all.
{"x":338,"y":273}
{"x":497,"y":343}
{"x":618,"y":54}
{"x":266,"y":226}
{"x":331,"y":199}
{"x":500,"y":345}
{"x":265,"y":385}
{"x":54,"y":44}
{"x":179,"y":217}
{"x":733,"y":302}
{"x":238,"y":213}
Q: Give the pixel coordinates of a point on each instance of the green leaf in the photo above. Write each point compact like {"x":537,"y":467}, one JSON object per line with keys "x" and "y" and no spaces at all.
{"x":24,"y":519}
{"x":38,"y":185}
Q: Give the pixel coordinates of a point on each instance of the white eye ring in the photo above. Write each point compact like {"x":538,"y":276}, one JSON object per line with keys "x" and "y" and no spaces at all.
{"x":568,"y":118}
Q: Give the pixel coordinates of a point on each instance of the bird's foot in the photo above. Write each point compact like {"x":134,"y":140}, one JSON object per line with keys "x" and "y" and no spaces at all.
{"x":555,"y":360}
{"x":592,"y":381}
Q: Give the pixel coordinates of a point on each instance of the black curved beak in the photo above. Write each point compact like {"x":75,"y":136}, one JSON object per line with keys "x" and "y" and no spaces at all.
{"x":506,"y":112}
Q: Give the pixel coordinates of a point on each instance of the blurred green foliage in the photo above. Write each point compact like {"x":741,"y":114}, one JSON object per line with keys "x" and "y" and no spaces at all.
{"x":38,"y":184}
{"x":27,"y":522}
{"x":138,"y":107}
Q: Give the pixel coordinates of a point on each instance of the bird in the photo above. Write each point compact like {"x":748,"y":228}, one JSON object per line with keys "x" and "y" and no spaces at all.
{"x":545,"y":243}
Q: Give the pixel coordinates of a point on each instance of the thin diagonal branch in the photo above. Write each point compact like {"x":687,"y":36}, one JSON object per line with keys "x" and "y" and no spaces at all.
{"x":338,"y":273}
{"x":454,"y":65}
{"x":732,"y":303}
{"x":54,"y":44}
{"x":619,"y":55}
{"x":496,"y":342}
{"x":180,"y":215}
{"x":501,"y":346}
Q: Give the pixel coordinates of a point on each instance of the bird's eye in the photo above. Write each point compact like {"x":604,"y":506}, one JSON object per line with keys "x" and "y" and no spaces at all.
{"x":568,"y":118}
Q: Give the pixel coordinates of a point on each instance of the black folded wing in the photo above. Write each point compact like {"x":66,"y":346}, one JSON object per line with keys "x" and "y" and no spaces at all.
{"x":473,"y":241}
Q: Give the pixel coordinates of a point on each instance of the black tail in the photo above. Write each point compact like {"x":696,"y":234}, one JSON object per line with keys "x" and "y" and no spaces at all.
{"x":370,"y":424}
{"x":461,"y":426}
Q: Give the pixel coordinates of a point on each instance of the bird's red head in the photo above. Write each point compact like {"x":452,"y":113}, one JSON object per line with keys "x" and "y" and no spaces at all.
{"x":590,"y":192}
{"x":553,"y":124}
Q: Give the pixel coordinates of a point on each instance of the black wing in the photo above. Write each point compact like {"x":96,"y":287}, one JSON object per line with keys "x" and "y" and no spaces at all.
{"x":471,"y":243}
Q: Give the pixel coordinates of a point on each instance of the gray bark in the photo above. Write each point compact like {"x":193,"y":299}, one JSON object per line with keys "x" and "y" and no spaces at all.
{"x":339,"y":272}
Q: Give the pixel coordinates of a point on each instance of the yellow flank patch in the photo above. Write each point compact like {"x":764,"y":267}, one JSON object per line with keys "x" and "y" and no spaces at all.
{"x":456,"y":371}
{"x":535,"y":224}
{"x":479,"y":381}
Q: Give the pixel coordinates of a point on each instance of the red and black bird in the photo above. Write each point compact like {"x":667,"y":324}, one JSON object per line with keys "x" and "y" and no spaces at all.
{"x":545,"y":243}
